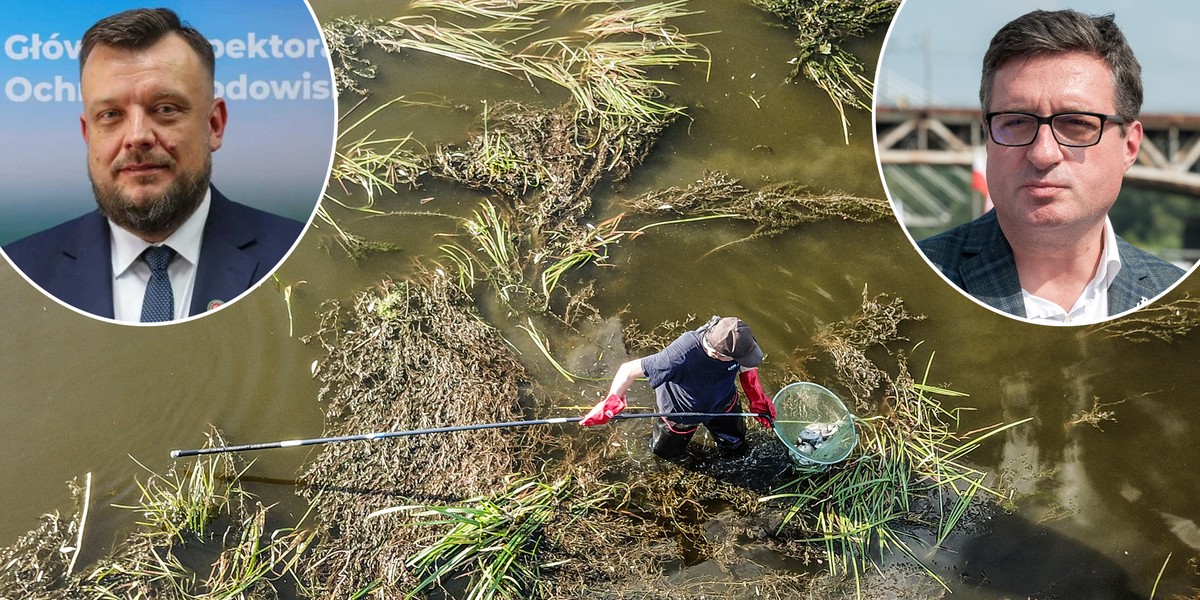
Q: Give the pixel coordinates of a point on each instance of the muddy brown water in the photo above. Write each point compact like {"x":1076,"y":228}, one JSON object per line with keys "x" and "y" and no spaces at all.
{"x":1098,"y":510}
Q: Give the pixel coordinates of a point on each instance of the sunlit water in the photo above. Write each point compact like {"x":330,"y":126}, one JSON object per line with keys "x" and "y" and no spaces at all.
{"x":1101,"y":507}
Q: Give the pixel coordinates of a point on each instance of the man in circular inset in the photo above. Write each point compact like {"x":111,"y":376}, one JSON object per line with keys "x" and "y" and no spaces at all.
{"x":696,"y":374}
{"x":163,"y":243}
{"x":1061,"y":92}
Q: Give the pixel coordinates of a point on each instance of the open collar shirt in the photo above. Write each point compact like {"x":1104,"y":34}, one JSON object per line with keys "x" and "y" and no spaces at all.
{"x":1092,"y":304}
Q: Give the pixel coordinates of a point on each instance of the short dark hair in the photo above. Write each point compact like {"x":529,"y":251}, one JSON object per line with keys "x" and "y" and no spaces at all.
{"x":141,"y":28}
{"x":1042,"y":33}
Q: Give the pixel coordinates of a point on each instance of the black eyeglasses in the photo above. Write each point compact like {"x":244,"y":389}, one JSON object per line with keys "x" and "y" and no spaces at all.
{"x":1074,"y":129}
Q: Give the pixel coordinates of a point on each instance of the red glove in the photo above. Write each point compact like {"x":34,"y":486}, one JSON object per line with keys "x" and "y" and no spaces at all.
{"x":759,"y":402}
{"x":605,"y":410}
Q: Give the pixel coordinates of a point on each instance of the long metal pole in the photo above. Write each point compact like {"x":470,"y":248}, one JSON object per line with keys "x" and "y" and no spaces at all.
{"x":380,"y":435}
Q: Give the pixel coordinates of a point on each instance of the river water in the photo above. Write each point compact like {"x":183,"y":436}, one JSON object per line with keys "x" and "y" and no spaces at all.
{"x":1097,"y":509}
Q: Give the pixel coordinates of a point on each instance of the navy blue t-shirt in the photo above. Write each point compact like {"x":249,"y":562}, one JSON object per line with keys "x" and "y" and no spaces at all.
{"x":686,"y":379}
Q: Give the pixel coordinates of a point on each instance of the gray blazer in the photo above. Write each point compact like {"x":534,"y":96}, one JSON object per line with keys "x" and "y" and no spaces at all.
{"x":977,"y":259}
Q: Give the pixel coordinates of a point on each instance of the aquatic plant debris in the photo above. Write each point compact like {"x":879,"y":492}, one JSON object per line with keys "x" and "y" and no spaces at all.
{"x":615,"y":112}
{"x":201,"y":537}
{"x":821,"y":27}
{"x":876,"y":324}
{"x":1164,"y":322}
{"x":773,"y":208}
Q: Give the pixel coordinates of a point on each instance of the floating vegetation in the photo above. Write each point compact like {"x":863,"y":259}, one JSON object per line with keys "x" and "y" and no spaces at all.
{"x":407,"y":355}
{"x":346,"y":38}
{"x":906,"y":473}
{"x":601,"y":69}
{"x":1095,"y":415}
{"x":371,"y":163}
{"x":615,"y":114}
{"x":195,"y":518}
{"x":1162,"y":322}
{"x":821,"y":26}
{"x":356,"y":246}
{"x":773,"y":209}
{"x":876,"y":324}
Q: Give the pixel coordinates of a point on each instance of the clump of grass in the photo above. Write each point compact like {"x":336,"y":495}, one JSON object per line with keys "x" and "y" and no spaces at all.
{"x":374,"y":164}
{"x":1162,"y":322}
{"x":184,"y":508}
{"x":498,"y":543}
{"x":773,"y":209}
{"x":575,"y":251}
{"x":180,"y":515}
{"x":38,"y":563}
{"x":821,"y":26}
{"x":907,"y":471}
{"x":182,"y":504}
{"x":494,"y":241}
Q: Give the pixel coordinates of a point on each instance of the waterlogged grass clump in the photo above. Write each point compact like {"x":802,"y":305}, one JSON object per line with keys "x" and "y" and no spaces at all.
{"x":773,"y":208}
{"x":821,"y":27}
{"x":907,"y":474}
{"x":199,"y":536}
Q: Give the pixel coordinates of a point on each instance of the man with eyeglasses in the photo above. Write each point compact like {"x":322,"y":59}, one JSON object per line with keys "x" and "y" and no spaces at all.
{"x":1061,"y":92}
{"x":695,"y":374}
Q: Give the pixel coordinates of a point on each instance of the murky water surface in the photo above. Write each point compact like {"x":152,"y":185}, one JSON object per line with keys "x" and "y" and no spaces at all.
{"x":1102,"y":508}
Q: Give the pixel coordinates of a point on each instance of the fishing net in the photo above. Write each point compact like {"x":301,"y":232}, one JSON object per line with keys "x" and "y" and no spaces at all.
{"x":815,"y":425}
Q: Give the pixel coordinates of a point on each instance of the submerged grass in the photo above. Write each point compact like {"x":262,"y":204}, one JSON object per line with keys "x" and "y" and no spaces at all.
{"x":498,"y":543}
{"x":773,"y":209}
{"x":355,"y":246}
{"x":821,"y":27}
{"x":193,"y":518}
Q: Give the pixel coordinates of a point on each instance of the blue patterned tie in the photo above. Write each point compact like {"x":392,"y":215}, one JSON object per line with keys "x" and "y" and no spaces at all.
{"x":159,"y":302}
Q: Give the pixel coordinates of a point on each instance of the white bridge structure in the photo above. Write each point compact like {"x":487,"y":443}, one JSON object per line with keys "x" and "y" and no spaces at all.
{"x":926,"y":156}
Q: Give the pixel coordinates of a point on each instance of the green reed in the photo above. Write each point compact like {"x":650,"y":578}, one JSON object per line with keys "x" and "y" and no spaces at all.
{"x":496,"y":542}
{"x":911,"y":453}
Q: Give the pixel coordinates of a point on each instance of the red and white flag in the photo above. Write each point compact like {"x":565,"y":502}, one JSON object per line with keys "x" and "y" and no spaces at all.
{"x":979,"y":177}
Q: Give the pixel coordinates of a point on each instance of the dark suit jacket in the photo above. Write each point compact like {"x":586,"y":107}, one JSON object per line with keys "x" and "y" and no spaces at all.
{"x":976,"y":257}
{"x":239,"y":247}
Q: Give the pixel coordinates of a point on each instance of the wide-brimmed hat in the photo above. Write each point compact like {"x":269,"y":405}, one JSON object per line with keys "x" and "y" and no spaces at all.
{"x":732,"y":337}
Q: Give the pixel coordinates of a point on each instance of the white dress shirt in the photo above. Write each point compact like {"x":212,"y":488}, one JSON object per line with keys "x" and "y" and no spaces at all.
{"x":1092,"y":304}
{"x":131,"y":273}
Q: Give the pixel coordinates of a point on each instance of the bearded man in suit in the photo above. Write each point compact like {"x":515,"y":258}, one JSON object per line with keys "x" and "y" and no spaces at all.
{"x":163,"y":244}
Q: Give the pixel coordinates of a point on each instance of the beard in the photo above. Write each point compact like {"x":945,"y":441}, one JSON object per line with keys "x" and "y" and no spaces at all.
{"x":157,"y":216}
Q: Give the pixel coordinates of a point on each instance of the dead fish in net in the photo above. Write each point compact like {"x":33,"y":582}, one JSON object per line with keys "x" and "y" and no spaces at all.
{"x":814,"y":435}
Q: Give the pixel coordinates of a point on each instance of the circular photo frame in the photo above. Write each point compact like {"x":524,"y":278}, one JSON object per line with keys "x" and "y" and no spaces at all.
{"x":1043,"y":226}
{"x":206,"y":128}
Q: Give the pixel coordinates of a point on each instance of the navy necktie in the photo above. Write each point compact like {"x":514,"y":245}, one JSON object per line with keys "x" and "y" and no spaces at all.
{"x":159,"y":302}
